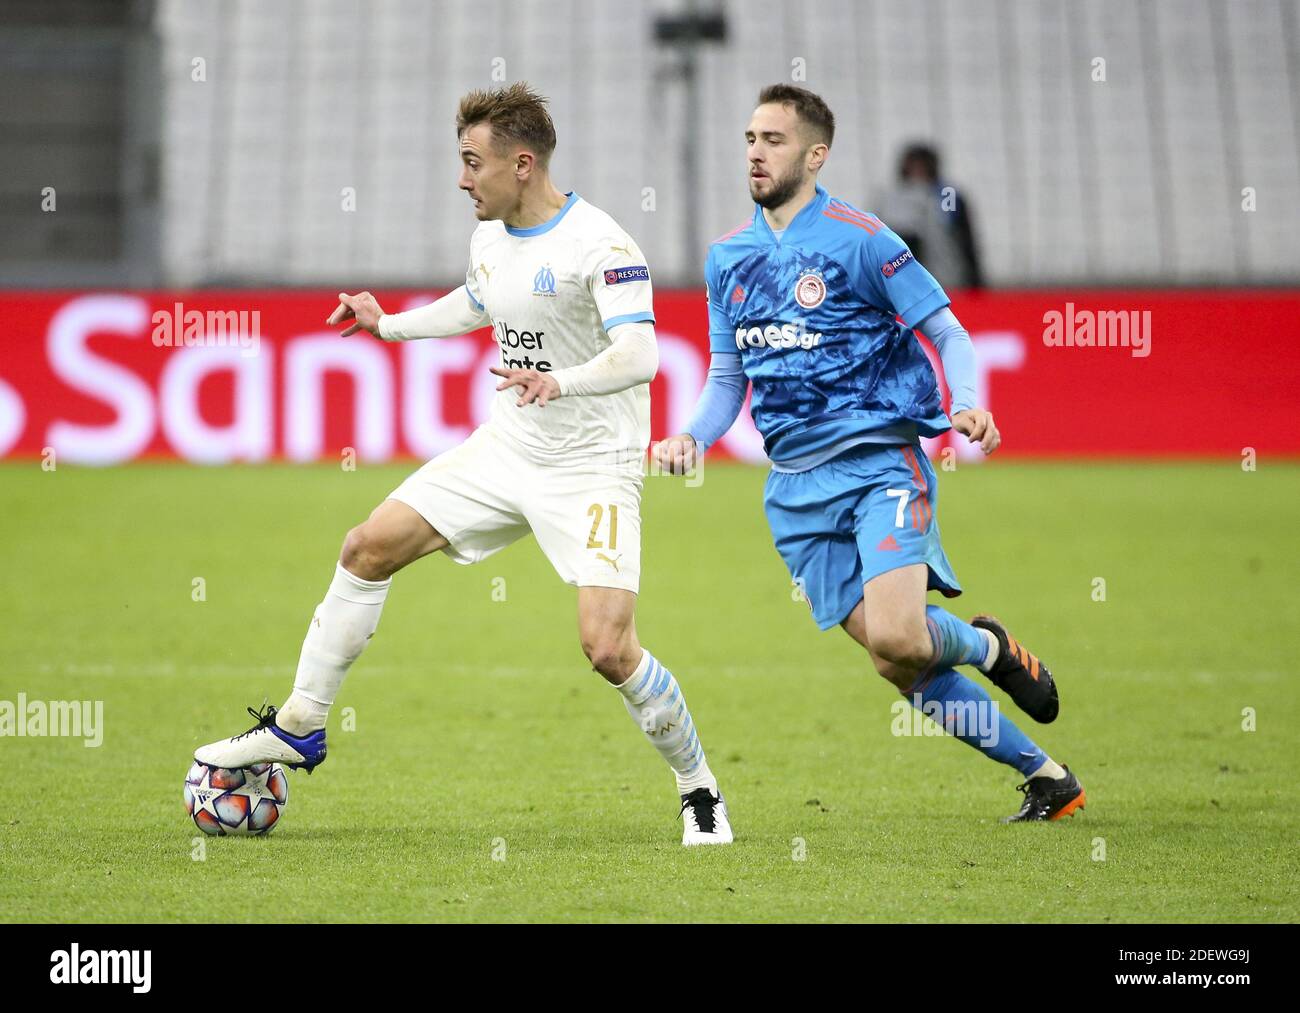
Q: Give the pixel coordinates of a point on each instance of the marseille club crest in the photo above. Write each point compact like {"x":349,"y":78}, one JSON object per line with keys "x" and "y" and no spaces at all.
{"x":544,"y":281}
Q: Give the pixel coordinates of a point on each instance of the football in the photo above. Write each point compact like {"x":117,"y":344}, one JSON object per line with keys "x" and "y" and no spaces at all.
{"x":246,"y":802}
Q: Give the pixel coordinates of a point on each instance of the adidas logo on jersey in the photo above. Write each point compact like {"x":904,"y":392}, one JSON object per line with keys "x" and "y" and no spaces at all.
{"x":777,"y":336}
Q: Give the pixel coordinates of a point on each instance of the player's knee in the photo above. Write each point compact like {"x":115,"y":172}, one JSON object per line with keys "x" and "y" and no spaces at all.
{"x":605,"y":654}
{"x":900,"y":646}
{"x":364,"y":555}
{"x":899,"y":677}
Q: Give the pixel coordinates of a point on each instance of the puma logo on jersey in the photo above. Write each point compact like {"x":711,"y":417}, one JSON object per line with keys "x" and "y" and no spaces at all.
{"x":612,"y":562}
{"x":483,"y":269}
{"x":621,"y":249}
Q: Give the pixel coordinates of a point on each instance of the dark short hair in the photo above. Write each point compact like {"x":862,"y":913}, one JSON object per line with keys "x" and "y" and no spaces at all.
{"x":925,"y":154}
{"x":808,"y":106}
{"x":515,"y":113}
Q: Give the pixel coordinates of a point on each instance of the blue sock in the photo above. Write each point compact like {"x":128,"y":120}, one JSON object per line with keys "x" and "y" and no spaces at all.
{"x":955,"y":642}
{"x":963,"y":709}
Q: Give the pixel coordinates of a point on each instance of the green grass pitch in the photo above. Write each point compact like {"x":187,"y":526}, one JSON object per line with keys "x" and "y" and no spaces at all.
{"x":492,"y":776}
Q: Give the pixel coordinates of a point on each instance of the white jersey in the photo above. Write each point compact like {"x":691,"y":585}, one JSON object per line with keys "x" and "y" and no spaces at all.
{"x":552,"y":293}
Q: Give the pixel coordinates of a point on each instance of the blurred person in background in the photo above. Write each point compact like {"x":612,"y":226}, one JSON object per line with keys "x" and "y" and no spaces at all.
{"x":933,"y":218}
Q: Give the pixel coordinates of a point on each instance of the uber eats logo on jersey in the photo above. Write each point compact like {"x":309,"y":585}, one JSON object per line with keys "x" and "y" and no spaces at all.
{"x":795,"y":335}
{"x":509,"y":338}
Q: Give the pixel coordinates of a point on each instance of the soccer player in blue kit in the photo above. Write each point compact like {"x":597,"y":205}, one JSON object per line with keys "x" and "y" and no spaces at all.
{"x":803,"y":301}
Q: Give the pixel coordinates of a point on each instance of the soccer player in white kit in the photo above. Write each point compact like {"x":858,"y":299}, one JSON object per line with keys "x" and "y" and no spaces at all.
{"x":568,"y":295}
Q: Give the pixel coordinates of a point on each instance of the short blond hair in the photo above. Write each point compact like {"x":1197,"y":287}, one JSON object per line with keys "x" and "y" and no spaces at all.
{"x":516,"y":113}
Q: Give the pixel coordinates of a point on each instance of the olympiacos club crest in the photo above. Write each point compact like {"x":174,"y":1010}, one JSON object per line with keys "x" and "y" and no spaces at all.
{"x":809,"y":290}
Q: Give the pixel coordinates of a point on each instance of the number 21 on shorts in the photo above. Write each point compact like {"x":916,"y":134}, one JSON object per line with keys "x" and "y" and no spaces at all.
{"x":597,"y":513}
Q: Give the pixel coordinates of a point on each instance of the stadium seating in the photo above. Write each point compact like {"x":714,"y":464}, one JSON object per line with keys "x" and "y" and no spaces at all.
{"x":1137,"y":178}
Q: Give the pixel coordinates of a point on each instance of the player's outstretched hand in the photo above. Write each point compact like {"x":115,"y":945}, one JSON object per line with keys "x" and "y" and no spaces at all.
{"x":676,"y":455}
{"x":977,"y":424}
{"x":361,"y":309}
{"x":533,"y":385}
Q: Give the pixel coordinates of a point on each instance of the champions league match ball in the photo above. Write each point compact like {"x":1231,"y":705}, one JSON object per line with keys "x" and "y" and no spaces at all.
{"x":246,"y":802}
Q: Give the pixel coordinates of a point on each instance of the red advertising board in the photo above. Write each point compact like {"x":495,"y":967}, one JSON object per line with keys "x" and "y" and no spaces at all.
{"x":107,"y":377}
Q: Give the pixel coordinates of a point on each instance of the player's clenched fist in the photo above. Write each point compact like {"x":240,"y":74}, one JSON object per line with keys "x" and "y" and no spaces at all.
{"x":978,"y":425}
{"x":361,"y":309}
{"x":676,"y":455}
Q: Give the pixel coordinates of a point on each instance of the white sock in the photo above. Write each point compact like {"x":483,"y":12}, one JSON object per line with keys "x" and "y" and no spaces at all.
{"x":656,"y":704}
{"x":342,"y":625}
{"x":301,"y":715}
{"x":1050,"y":769}
{"x":991,"y":658}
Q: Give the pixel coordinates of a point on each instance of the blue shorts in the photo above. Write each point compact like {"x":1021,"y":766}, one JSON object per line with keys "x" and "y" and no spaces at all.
{"x":853,"y":518}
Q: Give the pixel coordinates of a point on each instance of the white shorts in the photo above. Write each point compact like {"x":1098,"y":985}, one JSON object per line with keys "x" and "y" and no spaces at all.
{"x":485,"y":494}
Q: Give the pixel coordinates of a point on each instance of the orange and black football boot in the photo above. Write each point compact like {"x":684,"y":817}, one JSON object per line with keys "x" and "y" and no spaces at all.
{"x":1024,"y":678}
{"x":1049,"y":799}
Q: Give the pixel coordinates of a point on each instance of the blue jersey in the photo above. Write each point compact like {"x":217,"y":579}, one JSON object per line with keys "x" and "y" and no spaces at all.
{"x":812,"y":314}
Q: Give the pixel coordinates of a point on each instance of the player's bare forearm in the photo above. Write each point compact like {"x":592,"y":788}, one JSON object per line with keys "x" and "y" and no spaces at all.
{"x":977,"y":425}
